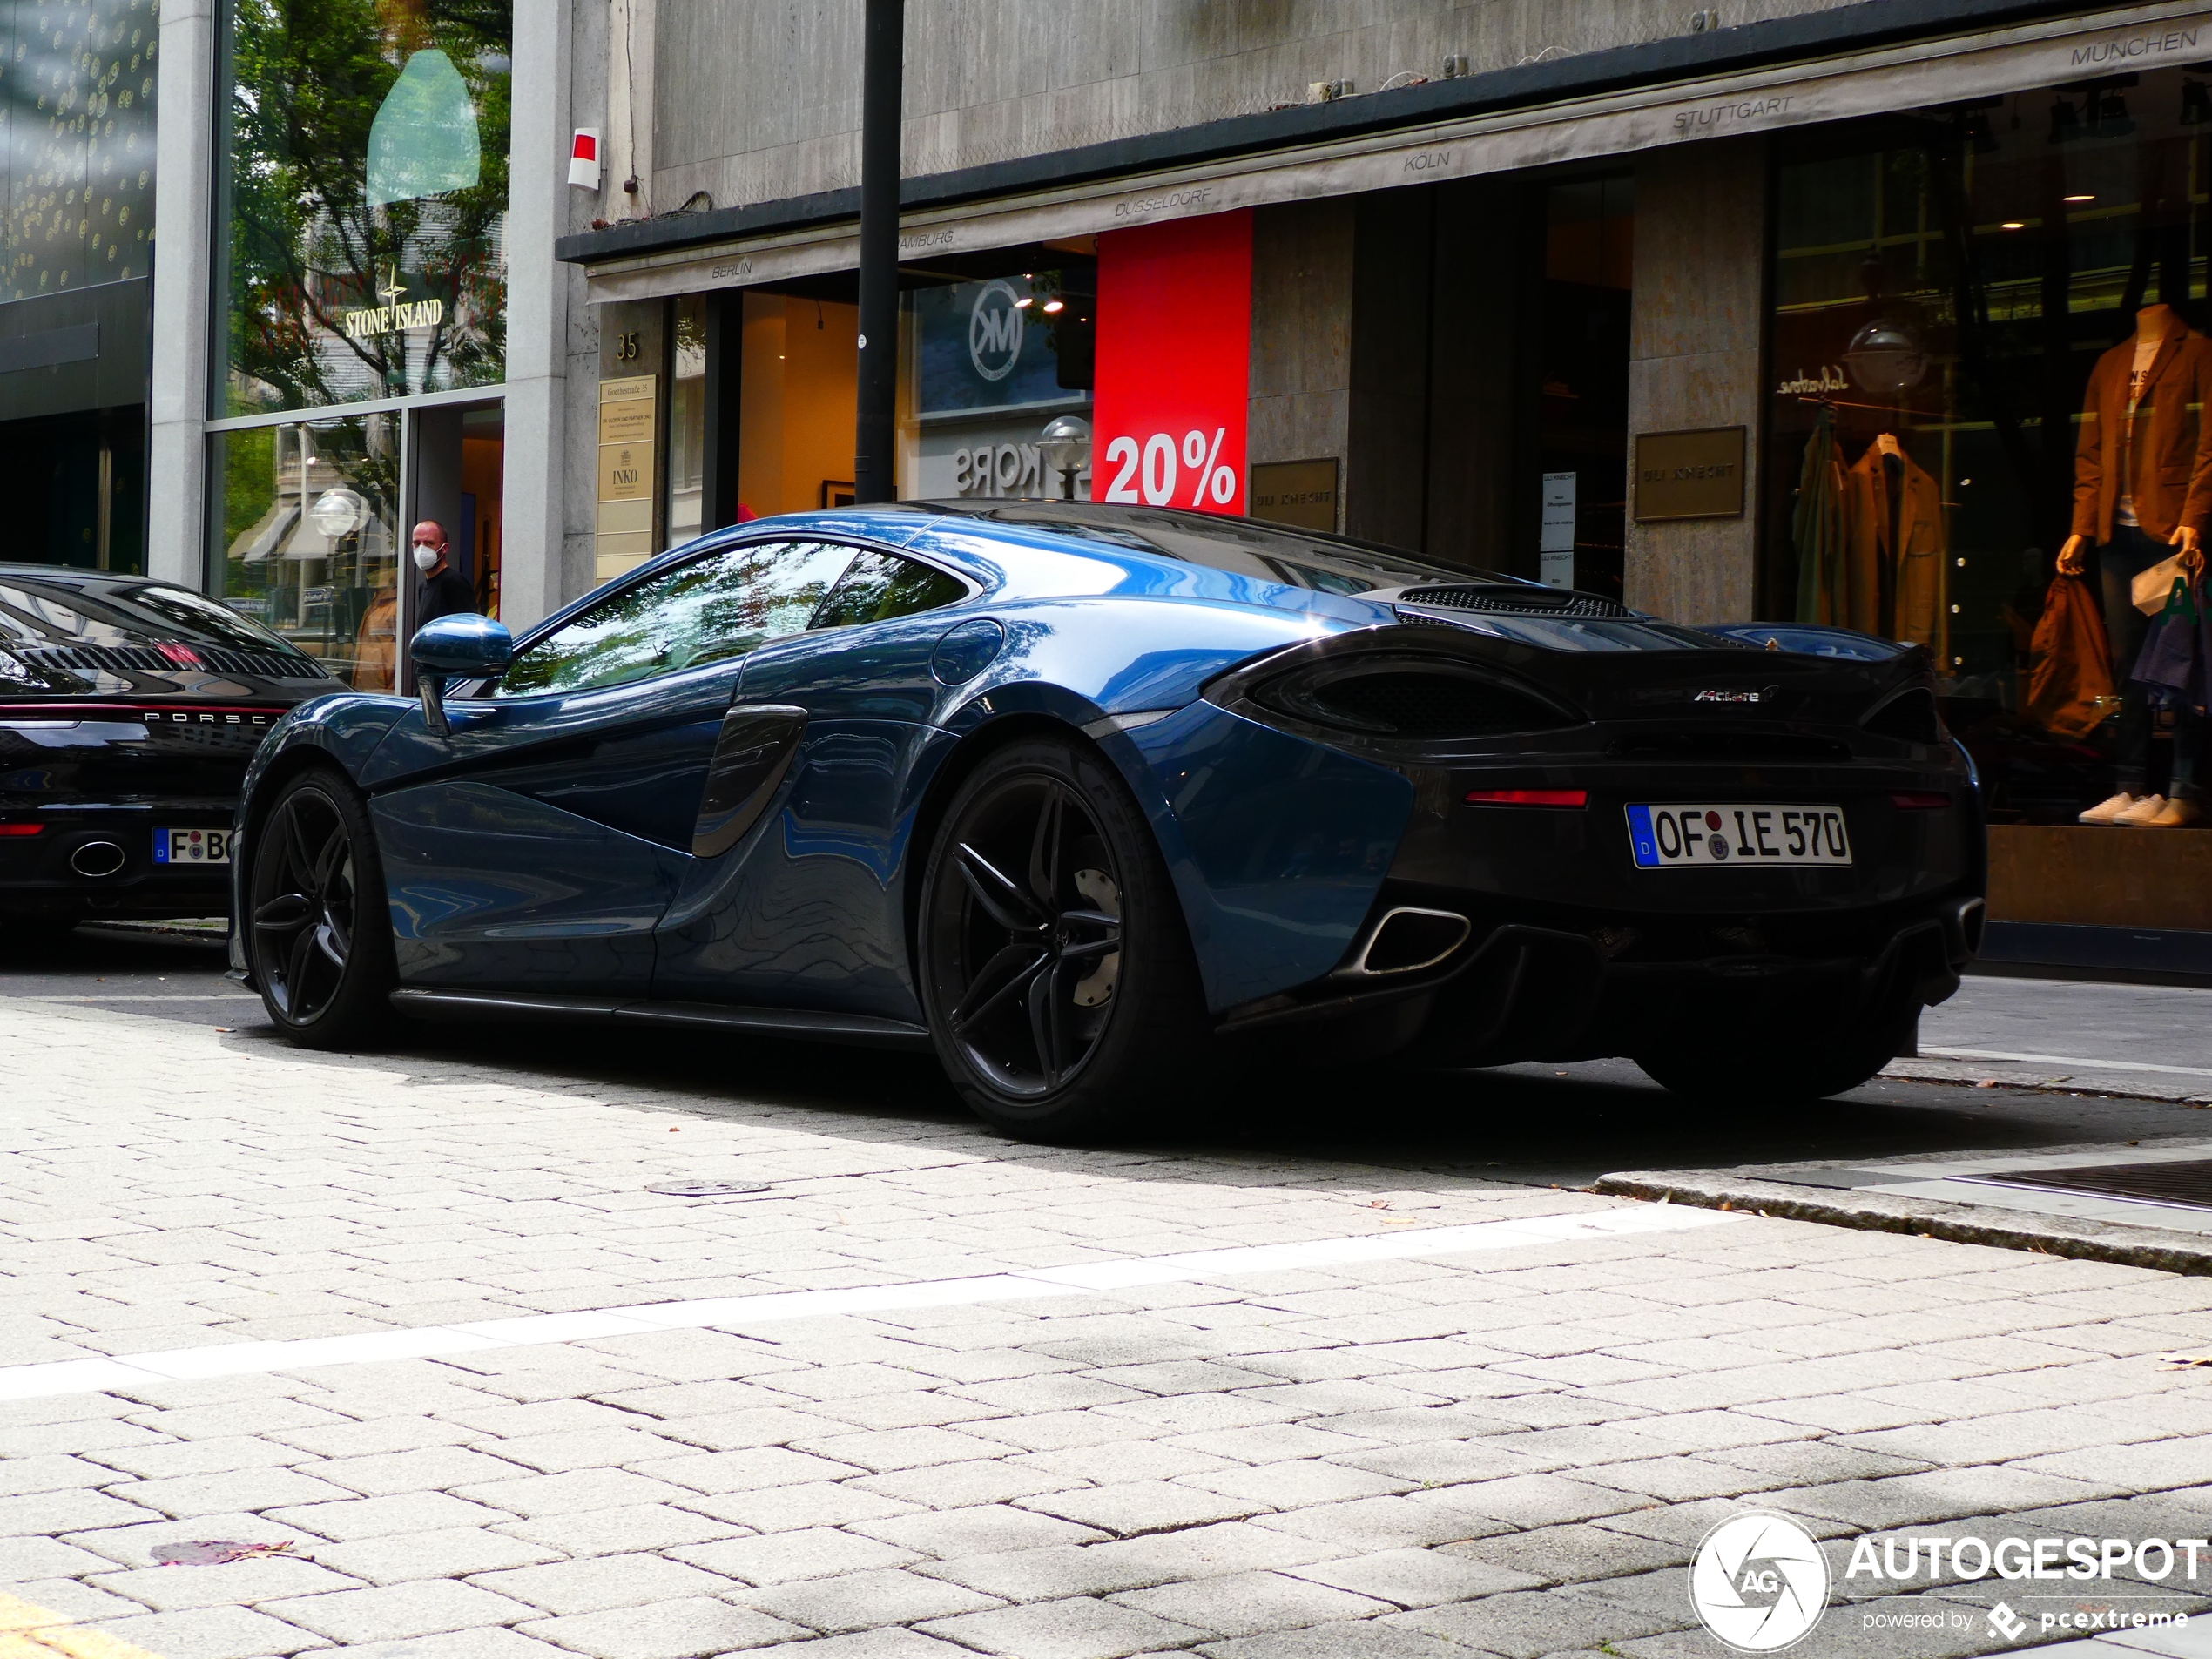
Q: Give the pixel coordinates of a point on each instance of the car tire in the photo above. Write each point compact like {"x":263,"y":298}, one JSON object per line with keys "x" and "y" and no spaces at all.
{"x":317,"y":928}
{"x":1741,"y":1077}
{"x":1056,"y":972}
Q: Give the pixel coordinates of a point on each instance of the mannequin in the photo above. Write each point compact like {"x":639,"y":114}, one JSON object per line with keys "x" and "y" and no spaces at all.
{"x":2143,"y":490}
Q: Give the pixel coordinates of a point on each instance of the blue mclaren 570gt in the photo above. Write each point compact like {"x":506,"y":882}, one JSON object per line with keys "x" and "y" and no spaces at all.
{"x":1080,"y":795}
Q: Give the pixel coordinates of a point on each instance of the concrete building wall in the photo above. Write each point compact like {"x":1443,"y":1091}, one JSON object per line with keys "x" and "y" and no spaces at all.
{"x":759,"y":99}
{"x":541,"y":294}
{"x":1301,"y":362}
{"x":1695,"y":361}
{"x":183,"y":191}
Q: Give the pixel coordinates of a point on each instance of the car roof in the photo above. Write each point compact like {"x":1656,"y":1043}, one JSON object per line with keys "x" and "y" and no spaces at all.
{"x":72,"y":575}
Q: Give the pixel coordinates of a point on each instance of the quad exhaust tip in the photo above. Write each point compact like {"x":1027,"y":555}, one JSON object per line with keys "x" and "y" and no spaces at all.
{"x":96,"y":859}
{"x":1408,"y":939}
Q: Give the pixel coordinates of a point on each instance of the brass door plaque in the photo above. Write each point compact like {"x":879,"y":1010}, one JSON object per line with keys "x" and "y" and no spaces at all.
{"x":1689,"y":474}
{"x":627,"y":412}
{"x":1302,"y":493}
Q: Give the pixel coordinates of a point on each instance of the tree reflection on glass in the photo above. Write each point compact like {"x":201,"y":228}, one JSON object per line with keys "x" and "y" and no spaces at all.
{"x":364,"y":176}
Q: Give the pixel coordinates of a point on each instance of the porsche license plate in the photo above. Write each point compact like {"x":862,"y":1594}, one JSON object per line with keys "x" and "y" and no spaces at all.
{"x":1686,"y":838}
{"x":192,"y":847}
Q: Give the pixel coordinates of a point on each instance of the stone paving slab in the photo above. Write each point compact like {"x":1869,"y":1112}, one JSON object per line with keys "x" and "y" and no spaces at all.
{"x":1513,"y":1452}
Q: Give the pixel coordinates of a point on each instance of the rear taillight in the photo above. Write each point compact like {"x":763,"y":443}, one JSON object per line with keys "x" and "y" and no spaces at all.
{"x":1528,"y":798}
{"x":1920,"y":802}
{"x":21,"y":829}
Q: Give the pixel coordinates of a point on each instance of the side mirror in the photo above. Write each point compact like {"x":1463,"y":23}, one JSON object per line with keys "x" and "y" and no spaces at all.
{"x":457,"y":647}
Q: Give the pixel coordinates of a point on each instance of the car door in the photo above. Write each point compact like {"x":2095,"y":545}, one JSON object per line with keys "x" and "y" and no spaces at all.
{"x":537,"y":845}
{"x":804,"y":910}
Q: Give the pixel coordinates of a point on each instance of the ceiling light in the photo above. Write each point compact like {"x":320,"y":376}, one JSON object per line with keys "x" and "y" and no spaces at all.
{"x":2013,"y":225}
{"x":1024,"y":303}
{"x":2085,"y":197}
{"x":1052,"y":305}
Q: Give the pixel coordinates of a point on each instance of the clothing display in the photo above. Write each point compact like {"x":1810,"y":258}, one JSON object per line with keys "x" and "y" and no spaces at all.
{"x":2070,"y":687}
{"x":2158,"y":453}
{"x":1896,"y":544}
{"x":2119,"y":562}
{"x":2171,"y":661}
{"x":1817,"y":525}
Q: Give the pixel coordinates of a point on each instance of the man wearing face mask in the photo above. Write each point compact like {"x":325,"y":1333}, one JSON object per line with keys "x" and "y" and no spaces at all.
{"x":443,"y":591}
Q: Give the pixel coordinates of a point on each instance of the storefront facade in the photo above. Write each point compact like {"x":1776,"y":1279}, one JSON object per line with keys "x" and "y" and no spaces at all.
{"x":1788,"y":314}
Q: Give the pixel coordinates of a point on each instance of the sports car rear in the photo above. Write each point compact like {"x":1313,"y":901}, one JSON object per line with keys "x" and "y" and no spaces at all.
{"x":1625,"y":833}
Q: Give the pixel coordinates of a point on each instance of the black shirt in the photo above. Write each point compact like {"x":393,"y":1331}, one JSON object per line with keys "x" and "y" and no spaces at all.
{"x":446,"y":594}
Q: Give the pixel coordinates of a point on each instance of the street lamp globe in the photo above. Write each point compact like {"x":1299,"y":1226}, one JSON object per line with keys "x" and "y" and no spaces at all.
{"x":337,"y":513}
{"x":1065,"y":445}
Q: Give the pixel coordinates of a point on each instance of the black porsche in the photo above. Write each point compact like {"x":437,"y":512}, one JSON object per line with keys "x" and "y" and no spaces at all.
{"x":129,"y":710}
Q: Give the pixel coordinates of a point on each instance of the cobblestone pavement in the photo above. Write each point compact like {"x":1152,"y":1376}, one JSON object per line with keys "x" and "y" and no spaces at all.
{"x":1390,"y":1440}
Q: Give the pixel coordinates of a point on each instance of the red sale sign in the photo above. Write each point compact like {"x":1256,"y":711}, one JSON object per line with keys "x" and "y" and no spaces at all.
{"x":1174,"y":331}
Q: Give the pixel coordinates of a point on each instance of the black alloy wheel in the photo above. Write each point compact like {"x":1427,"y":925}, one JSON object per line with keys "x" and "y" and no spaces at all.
{"x":1056,"y":972}
{"x":317,"y":932}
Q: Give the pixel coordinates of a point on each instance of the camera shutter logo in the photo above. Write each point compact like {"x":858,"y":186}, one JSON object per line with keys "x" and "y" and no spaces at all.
{"x":1759,"y":1582}
{"x":994,"y":331}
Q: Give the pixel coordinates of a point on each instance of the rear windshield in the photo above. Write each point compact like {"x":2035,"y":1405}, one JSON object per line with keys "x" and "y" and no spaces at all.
{"x":117,"y":612}
{"x":1247,"y":546}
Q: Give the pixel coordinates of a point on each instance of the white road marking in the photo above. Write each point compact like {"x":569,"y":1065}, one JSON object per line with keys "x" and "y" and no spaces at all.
{"x":95,"y":1375}
{"x":2063,"y":1060}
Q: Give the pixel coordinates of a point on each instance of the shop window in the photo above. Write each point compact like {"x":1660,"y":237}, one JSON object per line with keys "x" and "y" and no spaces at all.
{"x":1579,"y":350}
{"x":995,"y":360}
{"x":306,"y":518}
{"x":799,"y":377}
{"x":361,"y":166}
{"x":75,"y":486}
{"x":1944,"y":292}
{"x":685,"y":515}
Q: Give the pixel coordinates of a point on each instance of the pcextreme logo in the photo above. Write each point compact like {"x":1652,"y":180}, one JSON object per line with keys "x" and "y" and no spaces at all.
{"x":1759,"y":1582}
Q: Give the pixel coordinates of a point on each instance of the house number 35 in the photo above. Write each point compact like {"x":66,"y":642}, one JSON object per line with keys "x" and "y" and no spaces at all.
{"x":626,"y":347}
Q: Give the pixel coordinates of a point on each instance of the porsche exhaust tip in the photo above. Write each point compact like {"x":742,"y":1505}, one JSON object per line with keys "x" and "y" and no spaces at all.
{"x":1407,"y":940}
{"x":96,"y":859}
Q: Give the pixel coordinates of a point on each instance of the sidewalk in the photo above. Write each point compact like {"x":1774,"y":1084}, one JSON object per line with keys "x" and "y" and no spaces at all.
{"x":420,"y":1330}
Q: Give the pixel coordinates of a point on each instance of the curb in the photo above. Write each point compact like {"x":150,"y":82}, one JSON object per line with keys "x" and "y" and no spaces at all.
{"x":2075,"y":1238}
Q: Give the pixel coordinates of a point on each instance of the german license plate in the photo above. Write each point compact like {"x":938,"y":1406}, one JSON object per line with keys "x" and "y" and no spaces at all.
{"x":192,"y":847}
{"x":1687,"y":838}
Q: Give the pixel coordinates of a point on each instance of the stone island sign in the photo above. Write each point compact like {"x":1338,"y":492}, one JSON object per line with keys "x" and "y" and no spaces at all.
{"x":395,"y":315}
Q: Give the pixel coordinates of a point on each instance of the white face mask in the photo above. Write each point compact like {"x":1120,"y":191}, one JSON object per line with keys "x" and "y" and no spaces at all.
{"x":425,"y":557}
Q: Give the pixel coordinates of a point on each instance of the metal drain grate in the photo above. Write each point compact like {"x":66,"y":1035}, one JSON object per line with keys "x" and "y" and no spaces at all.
{"x":2184,"y":1183}
{"x":706,"y":1189}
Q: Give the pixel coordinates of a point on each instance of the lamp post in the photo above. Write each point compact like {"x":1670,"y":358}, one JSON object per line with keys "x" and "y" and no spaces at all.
{"x":1065,"y":444}
{"x":883,"y":42}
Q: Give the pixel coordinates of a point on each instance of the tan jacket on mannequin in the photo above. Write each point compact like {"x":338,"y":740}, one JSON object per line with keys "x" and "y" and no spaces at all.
{"x":1915,"y":563}
{"x":2171,"y":456}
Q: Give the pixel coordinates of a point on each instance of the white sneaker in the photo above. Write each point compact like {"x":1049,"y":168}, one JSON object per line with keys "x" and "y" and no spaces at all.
{"x":2105,"y":812}
{"x":2179,"y":814}
{"x":2143,"y":811}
